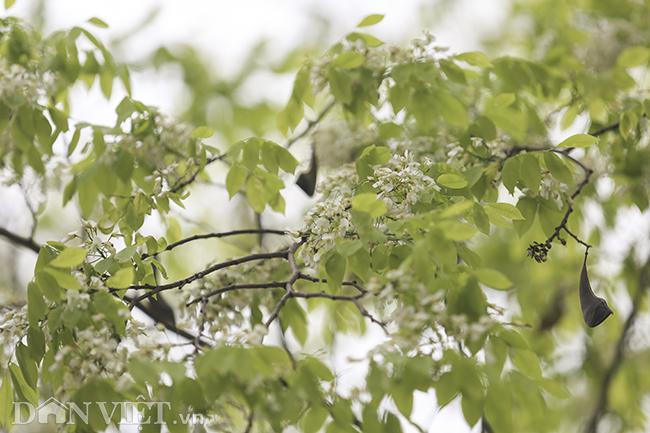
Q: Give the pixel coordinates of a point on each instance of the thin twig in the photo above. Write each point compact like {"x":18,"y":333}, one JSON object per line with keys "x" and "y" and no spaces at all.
{"x":194,"y":175}
{"x":154,"y":289}
{"x":216,"y":235}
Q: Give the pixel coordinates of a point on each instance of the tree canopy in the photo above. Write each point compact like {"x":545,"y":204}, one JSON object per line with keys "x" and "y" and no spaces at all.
{"x":463,"y":204}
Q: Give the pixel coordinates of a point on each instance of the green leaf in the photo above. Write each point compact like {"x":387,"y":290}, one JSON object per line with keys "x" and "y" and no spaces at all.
{"x":24,"y":391}
{"x":370,"y":204}
{"x":122,"y":279}
{"x":493,"y":278}
{"x":370,"y":20}
{"x":452,"y":109}
{"x":633,"y":56}
{"x":9,"y":3}
{"x":6,"y":401}
{"x":452,"y":181}
{"x":70,"y":257}
{"x":314,"y":419}
{"x":335,"y":266}
{"x":474,"y":58}
{"x":256,"y":194}
{"x":527,"y":362}
{"x":530,"y":172}
{"x":36,"y":307}
{"x":98,"y":22}
{"x":510,"y":174}
{"x":503,"y":210}
{"x":446,"y":388}
{"x":64,"y":279}
{"x":202,"y":132}
{"x":557,"y":167}
{"x":579,"y":140}
{"x":236,"y":179}
{"x":349,"y":60}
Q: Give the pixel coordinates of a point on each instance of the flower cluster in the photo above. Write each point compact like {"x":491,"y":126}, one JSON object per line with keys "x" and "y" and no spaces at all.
{"x":13,"y":327}
{"x":330,"y":218}
{"x":401,"y":183}
{"x":228,"y":316}
{"x":96,"y":352}
{"x":19,"y":86}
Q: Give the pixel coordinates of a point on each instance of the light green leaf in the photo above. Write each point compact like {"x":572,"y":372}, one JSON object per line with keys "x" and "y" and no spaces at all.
{"x":235,"y":179}
{"x":579,"y":140}
{"x":504,"y":210}
{"x":335,"y":267}
{"x":493,"y":278}
{"x":6,"y":401}
{"x":557,"y":167}
{"x":256,"y":194}
{"x":121,"y":280}
{"x":9,"y":3}
{"x":633,"y":56}
{"x":370,"y":20}
{"x":370,"y":204}
{"x":64,"y":279}
{"x":20,"y":384}
{"x":349,"y":60}
{"x":70,"y":257}
{"x":527,"y":362}
{"x":452,"y":180}
{"x":530,"y":172}
{"x":510,"y":174}
{"x":202,"y":132}
{"x":98,"y":22}
{"x":475,"y":58}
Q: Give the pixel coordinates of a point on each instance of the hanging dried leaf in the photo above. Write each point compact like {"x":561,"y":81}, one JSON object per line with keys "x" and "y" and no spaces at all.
{"x":307,"y":181}
{"x":594,"y":309}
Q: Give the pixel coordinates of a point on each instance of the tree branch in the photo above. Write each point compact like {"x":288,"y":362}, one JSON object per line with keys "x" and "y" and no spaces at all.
{"x":216,"y":235}
{"x":21,"y":241}
{"x":154,"y":289}
{"x":194,"y":175}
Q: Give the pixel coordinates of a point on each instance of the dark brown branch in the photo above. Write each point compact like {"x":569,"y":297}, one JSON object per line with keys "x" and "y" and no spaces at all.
{"x":604,"y":129}
{"x":21,"y":241}
{"x":234,"y":287}
{"x":601,"y":403}
{"x":569,"y":209}
{"x":216,"y":235}
{"x":154,"y":289}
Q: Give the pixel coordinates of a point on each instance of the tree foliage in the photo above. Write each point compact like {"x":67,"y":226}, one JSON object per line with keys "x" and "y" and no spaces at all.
{"x":436,"y":174}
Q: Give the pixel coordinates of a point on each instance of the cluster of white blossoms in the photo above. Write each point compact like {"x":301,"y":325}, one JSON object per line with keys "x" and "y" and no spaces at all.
{"x":402,"y":182}
{"x":96,"y":352}
{"x":19,"y":86}
{"x":227,"y":317}
{"x":13,"y":327}
{"x":330,"y":218}
{"x":419,"y":318}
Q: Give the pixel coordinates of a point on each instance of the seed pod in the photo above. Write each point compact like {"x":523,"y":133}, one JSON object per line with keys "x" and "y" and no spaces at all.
{"x":594,"y":309}
{"x":307,"y":180}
